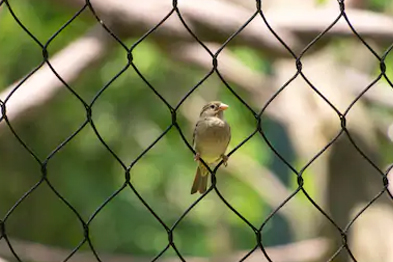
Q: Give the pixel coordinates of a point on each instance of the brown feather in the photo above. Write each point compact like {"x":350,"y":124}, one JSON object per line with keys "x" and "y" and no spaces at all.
{"x":200,"y":180}
{"x":197,"y":179}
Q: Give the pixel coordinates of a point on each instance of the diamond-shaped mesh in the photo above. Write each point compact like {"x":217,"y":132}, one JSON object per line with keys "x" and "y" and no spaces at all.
{"x":173,"y":111}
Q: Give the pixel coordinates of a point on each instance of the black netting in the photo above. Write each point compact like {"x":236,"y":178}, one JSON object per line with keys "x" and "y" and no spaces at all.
{"x":173,"y":111}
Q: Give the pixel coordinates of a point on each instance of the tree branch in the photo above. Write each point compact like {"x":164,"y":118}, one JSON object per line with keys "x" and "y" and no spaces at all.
{"x":78,"y":56}
{"x":69,"y":63}
{"x":302,"y":251}
{"x":380,"y":93}
{"x":205,"y":17}
{"x":308,"y":23}
{"x":259,"y":85}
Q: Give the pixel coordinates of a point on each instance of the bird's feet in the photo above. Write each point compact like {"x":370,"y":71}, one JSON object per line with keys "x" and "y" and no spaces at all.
{"x":225,"y":160}
{"x":197,"y":157}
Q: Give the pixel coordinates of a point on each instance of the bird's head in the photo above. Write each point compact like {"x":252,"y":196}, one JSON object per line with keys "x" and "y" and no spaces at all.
{"x":214,"y":109}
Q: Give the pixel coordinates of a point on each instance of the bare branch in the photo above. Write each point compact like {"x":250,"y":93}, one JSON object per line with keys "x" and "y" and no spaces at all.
{"x":257,"y":84}
{"x":205,"y":18}
{"x":303,"y":251}
{"x":267,"y":185}
{"x":380,"y":93}
{"x":308,"y":23}
{"x":68,"y":63}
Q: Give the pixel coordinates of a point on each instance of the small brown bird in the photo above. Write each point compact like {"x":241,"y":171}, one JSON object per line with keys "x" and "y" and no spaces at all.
{"x":210,"y":141}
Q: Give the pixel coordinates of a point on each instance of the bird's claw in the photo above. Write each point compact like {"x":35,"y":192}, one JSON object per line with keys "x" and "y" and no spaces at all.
{"x":224,"y":160}
{"x":196,"y":157}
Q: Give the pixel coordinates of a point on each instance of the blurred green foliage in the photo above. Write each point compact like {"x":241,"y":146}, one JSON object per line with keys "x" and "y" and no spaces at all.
{"x":129,"y":117}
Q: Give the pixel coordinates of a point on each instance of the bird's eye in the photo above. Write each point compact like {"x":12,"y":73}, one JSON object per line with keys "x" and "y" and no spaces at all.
{"x":212,"y":106}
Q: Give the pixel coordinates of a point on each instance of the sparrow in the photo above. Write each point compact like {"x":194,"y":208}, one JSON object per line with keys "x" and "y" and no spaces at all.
{"x":210,"y":140}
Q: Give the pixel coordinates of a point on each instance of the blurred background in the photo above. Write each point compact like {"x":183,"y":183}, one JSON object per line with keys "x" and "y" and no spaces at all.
{"x":342,"y":164}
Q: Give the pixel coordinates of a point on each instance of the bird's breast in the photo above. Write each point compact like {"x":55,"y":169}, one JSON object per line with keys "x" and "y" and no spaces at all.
{"x":211,"y":138}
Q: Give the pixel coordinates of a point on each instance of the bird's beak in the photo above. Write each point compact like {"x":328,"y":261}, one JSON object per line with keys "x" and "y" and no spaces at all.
{"x":223,"y":107}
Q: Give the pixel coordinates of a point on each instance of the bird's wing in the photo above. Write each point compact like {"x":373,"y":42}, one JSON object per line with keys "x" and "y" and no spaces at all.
{"x":193,"y":135}
{"x":230,"y":135}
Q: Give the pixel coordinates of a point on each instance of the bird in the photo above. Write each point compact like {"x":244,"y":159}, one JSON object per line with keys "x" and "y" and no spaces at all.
{"x":211,"y":137}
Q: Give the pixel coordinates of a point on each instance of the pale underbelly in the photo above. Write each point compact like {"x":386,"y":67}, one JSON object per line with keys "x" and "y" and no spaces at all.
{"x":211,"y":147}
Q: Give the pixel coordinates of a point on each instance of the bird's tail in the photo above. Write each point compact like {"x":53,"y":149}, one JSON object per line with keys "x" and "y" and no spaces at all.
{"x":200,"y":180}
